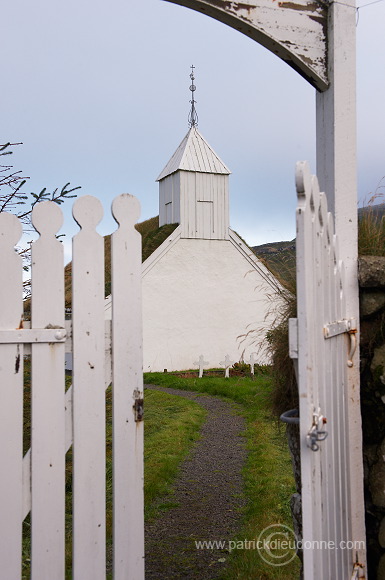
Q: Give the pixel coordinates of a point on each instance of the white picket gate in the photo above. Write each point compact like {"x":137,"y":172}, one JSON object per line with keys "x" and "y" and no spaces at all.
{"x":322,"y":339}
{"x":36,"y":482}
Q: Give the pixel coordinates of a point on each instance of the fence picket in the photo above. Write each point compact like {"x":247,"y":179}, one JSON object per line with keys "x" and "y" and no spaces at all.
{"x":306,"y":308}
{"x":11,"y":402}
{"x":89,"y":559}
{"x":67,"y":410}
{"x":323,"y":360}
{"x":36,"y":482}
{"x":47,"y":399}
{"x":127,"y":381}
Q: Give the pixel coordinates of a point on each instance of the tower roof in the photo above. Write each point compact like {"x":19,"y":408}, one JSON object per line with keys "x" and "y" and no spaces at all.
{"x":194,"y":154}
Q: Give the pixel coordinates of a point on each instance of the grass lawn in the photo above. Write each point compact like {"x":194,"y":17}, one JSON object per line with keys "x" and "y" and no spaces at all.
{"x":268,"y":475}
{"x":171,"y":427}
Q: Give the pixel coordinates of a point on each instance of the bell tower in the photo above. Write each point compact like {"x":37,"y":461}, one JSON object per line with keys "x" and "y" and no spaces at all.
{"x":194,"y":185}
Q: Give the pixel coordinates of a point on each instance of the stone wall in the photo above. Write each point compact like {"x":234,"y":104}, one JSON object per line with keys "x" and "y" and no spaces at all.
{"x":372,"y":338}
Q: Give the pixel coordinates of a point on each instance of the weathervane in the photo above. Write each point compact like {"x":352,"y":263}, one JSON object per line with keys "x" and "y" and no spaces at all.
{"x":193,"y":116}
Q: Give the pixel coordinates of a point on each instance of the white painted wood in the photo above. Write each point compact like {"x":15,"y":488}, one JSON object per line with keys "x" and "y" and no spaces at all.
{"x":169,"y":200}
{"x":293,"y":31}
{"x":204,"y":189}
{"x":11,"y":402}
{"x":33,"y":335}
{"x":194,"y":154}
{"x":67,"y":408}
{"x":193,"y":190}
{"x":323,"y":387}
{"x":88,"y":399}
{"x":127,"y":385}
{"x":336,"y":169}
{"x":37,"y":482}
{"x":308,"y":387}
{"x":293,"y":338}
{"x":47,"y":399}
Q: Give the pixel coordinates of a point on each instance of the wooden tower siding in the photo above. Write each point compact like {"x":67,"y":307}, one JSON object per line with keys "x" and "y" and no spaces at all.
{"x":204,"y":205}
{"x":169,"y":200}
{"x":194,"y":190}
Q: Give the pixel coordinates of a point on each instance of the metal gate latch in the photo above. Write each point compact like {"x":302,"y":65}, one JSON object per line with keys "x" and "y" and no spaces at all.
{"x":317,"y":431}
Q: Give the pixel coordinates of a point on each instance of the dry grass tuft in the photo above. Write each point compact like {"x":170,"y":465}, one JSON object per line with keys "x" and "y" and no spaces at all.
{"x":371,"y":226}
{"x":284,"y":394}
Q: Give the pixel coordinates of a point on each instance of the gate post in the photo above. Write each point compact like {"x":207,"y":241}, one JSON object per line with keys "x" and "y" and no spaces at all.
{"x":337,"y":173}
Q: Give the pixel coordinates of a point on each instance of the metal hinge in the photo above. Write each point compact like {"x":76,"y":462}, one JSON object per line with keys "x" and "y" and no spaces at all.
{"x":138,"y":406}
{"x":339,"y":327}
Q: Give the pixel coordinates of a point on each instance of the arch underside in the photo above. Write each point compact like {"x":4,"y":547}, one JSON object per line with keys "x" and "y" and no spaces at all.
{"x":293,"y":30}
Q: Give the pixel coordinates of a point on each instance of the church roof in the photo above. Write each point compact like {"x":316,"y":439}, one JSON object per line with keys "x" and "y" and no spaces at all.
{"x":194,"y":154}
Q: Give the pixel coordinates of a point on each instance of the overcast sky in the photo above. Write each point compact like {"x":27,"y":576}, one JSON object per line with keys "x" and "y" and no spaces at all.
{"x":98,"y":92}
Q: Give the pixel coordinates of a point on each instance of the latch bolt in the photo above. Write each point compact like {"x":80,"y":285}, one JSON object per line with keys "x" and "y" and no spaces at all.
{"x":317,"y":431}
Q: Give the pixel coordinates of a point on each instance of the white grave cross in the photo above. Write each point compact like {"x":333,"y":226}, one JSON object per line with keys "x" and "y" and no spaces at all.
{"x":227,"y":364}
{"x":252,"y":361}
{"x":201,"y":363}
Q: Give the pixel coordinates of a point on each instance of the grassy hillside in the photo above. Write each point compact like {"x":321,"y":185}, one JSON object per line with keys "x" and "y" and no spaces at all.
{"x":152,"y":237}
{"x":279,"y":258}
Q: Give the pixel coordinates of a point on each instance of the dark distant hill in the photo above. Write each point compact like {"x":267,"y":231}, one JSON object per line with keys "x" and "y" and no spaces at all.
{"x":274,"y":248}
{"x":377,"y":211}
{"x":279,"y":257}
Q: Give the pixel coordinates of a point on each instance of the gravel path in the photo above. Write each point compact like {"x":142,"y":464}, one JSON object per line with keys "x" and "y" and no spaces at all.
{"x":207,"y":495}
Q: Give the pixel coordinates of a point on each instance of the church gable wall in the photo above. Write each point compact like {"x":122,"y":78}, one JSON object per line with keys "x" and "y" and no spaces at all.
{"x":200,"y":298}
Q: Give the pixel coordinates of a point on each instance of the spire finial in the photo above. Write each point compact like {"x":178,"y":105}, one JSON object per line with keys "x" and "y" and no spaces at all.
{"x":193,"y":116}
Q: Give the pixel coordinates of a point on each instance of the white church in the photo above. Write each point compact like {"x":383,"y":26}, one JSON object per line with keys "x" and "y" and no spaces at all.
{"x":204,"y":290}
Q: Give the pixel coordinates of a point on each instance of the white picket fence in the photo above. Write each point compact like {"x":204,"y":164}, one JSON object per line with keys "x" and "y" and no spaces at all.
{"x":322,"y":340}
{"x":60,"y":419}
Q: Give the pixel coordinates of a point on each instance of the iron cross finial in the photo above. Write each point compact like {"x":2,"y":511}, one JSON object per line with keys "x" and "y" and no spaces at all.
{"x":193,"y":116}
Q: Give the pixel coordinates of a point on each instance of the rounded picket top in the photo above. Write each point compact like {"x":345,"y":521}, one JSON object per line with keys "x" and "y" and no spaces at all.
{"x":11,"y":229}
{"x":336,"y":254}
{"x":87,"y":211}
{"x":47,"y":218}
{"x":315,"y":195}
{"x":126,"y":209}
{"x":323,"y":210}
{"x":330,"y":228}
{"x":302,"y":178}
